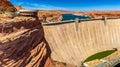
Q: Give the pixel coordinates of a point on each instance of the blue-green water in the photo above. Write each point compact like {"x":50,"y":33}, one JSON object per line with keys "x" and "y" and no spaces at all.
{"x":72,"y":17}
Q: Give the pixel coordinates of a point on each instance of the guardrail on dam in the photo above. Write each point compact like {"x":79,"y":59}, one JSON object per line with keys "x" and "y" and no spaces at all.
{"x":72,"y":42}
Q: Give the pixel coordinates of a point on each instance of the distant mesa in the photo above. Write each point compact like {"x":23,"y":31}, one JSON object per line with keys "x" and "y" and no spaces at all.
{"x":100,"y":14}
{"x":19,"y":7}
{"x":6,"y":5}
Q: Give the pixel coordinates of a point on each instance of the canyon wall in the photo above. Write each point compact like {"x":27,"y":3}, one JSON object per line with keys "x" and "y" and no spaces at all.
{"x":19,"y":7}
{"x":6,"y":5}
{"x":22,"y":44}
{"x":72,"y":42}
{"x":50,"y":15}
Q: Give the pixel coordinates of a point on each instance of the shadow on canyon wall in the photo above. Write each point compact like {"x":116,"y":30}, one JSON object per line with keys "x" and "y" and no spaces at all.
{"x":28,"y":49}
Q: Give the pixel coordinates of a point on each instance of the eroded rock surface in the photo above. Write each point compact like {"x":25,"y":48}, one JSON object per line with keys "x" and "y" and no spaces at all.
{"x":51,"y":16}
{"x":6,"y":5}
{"x":22,"y":44}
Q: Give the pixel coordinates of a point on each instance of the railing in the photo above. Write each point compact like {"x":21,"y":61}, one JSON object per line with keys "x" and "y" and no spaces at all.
{"x":76,"y":20}
{"x":32,"y":13}
{"x":111,"y":63}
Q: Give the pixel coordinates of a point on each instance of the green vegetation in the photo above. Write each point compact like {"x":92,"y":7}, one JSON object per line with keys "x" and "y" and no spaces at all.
{"x":64,"y":64}
{"x":13,"y":11}
{"x":2,"y":11}
{"x":100,"y":55}
{"x":57,"y":62}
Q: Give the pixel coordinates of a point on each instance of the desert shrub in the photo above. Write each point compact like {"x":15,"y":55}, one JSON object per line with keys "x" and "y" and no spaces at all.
{"x":13,"y":11}
{"x":2,"y":11}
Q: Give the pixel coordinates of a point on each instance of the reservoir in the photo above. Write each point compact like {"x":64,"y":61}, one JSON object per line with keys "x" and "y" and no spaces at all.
{"x":72,"y":17}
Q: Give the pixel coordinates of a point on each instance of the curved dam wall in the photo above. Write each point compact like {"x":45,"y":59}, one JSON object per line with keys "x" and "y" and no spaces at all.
{"x":73,"y":42}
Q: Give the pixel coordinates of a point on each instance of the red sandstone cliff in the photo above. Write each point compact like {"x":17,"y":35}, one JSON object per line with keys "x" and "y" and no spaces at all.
{"x":18,"y":7}
{"x":22,"y":44}
{"x":6,"y":5}
{"x":51,"y":15}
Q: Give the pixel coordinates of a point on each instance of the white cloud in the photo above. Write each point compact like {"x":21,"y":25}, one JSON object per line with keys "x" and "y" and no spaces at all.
{"x":20,"y":3}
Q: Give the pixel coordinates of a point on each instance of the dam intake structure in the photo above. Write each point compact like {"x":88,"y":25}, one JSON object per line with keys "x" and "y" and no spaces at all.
{"x":74,"y":41}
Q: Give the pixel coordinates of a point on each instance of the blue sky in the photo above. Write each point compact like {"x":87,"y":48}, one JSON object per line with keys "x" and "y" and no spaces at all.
{"x":78,"y":5}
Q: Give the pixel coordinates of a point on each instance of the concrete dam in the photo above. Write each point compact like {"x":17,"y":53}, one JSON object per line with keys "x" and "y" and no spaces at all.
{"x":72,"y":42}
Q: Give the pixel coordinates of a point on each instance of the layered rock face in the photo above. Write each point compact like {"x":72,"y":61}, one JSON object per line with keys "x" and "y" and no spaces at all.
{"x":6,"y":5}
{"x":99,"y":14}
{"x":18,"y":7}
{"x":22,"y":43}
{"x":51,"y":16}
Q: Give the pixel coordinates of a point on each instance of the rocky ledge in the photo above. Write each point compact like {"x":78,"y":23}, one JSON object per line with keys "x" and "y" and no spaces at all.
{"x":22,"y":43}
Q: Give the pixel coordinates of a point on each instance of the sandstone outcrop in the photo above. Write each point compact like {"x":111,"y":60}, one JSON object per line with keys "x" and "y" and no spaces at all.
{"x":18,"y":7}
{"x":22,"y":43}
{"x":50,"y":15}
{"x":6,"y":5}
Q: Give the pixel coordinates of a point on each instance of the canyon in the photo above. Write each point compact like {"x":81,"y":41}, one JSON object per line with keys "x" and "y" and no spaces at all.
{"x":33,"y":42}
{"x":22,"y":44}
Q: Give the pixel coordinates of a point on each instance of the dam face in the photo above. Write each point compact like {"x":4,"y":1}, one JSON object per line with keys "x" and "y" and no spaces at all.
{"x":73,"y":43}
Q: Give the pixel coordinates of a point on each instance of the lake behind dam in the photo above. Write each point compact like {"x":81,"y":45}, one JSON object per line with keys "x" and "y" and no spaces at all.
{"x":72,"y":17}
